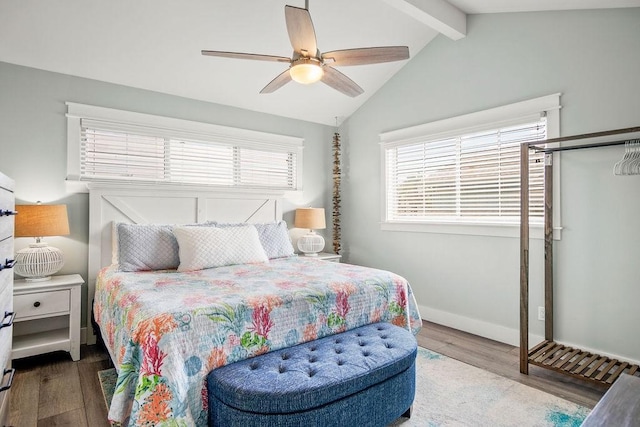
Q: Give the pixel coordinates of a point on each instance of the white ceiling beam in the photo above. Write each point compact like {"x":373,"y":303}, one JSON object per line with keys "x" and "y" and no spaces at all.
{"x":440,"y":15}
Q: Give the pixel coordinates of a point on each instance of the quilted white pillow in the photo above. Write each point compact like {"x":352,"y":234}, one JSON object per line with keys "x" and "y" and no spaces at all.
{"x":208,"y":247}
{"x":274,"y":237}
{"x":143,"y":247}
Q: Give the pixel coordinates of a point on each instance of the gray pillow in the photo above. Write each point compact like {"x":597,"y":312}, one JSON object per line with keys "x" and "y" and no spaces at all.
{"x":143,"y":247}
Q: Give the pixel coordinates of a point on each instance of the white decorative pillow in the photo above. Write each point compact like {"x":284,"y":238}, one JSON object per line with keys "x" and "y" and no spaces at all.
{"x":209,"y":247}
{"x":143,"y":247}
{"x":275,"y":239}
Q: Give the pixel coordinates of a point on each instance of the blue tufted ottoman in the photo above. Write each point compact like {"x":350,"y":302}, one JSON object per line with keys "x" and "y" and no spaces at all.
{"x":363,"y":377}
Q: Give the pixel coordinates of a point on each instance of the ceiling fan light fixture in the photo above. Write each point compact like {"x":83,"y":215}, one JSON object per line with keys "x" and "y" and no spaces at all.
{"x":306,"y":70}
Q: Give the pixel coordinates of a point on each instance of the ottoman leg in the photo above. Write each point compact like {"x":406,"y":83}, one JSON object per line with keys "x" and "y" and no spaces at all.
{"x":407,"y":413}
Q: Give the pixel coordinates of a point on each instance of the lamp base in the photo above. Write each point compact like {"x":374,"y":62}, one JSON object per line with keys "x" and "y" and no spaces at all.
{"x":311,"y":243}
{"x":38,"y":262}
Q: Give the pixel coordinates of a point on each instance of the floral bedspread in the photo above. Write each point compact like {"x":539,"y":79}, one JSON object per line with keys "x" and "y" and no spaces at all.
{"x":166,"y":330}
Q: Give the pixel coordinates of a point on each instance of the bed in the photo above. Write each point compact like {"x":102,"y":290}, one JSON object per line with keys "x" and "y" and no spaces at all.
{"x":166,"y":329}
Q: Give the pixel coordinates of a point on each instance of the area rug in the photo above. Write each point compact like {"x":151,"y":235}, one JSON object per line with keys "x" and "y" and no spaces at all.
{"x":108,"y":379}
{"x":452,"y":393}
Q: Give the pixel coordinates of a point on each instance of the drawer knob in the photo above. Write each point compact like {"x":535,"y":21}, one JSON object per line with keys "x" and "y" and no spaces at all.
{"x":11,"y":315}
{"x":6,"y":212}
{"x":7,"y":386}
{"x":36,"y":304}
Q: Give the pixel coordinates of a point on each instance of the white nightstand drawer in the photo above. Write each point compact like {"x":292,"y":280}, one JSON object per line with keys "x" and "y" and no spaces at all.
{"x":41,"y":304}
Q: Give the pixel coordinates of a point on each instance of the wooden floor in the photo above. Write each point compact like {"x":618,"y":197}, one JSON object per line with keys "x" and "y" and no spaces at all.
{"x":51,"y":390}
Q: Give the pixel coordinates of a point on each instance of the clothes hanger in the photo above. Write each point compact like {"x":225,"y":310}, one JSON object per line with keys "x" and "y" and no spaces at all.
{"x":636,"y":163}
{"x":618,"y":167}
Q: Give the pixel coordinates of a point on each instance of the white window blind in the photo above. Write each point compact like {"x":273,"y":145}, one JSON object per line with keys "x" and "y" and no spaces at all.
{"x":120,"y":152}
{"x":470,"y":177}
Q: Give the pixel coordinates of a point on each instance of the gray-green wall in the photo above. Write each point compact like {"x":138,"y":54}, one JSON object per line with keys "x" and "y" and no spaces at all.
{"x":592,"y":57}
{"x":471,"y":282}
{"x":33,"y":138}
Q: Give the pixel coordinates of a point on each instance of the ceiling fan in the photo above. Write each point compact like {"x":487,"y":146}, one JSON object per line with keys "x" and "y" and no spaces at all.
{"x":309,"y":65}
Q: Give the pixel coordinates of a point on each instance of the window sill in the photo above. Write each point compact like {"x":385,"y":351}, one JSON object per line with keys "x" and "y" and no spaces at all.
{"x":471,"y":229}
{"x":74,"y":186}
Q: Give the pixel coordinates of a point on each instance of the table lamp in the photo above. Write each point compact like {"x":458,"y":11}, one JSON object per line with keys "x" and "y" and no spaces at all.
{"x":39,"y":261}
{"x":313,"y":219}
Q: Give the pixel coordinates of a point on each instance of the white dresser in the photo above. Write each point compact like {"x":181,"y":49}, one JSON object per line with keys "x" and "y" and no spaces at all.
{"x":7,"y":206}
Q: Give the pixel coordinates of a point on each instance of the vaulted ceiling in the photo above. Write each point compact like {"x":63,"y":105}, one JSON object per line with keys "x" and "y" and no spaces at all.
{"x":156,"y":44}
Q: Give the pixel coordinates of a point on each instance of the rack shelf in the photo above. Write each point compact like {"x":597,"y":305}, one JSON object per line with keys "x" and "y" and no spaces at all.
{"x":549,"y":354}
{"x":580,"y":364}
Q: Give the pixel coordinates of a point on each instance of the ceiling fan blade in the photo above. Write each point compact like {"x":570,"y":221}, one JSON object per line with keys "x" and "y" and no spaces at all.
{"x":253,"y":56}
{"x":301,"y":32}
{"x":340,"y":82}
{"x":275,"y":84}
{"x":366,"y":55}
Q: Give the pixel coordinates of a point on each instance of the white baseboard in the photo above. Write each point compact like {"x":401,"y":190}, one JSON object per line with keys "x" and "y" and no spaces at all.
{"x":498,"y":332}
{"x":477,"y":327}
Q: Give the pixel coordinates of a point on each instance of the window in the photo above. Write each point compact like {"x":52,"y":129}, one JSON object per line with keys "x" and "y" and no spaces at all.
{"x":469,"y":174}
{"x":470,"y":177}
{"x":118,"y":146}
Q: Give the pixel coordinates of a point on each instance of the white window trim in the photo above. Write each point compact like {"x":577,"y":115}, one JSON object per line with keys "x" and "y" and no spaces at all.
{"x":482,"y":120}
{"x":188,"y":128}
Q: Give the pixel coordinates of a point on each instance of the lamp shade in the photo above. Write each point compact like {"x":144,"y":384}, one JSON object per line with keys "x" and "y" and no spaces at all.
{"x":311,"y":218}
{"x":41,"y":221}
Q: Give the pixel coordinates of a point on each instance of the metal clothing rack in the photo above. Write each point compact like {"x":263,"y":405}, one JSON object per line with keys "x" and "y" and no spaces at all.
{"x":550,"y":354}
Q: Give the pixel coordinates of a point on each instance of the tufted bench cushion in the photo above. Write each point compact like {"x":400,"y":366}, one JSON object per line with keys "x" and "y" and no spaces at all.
{"x":366,"y":375}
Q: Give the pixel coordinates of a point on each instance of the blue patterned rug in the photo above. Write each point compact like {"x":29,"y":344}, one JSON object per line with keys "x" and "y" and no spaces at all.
{"x":452,"y":393}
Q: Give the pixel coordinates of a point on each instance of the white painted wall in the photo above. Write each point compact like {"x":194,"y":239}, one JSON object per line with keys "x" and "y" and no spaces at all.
{"x":33,"y":132}
{"x":471,"y":282}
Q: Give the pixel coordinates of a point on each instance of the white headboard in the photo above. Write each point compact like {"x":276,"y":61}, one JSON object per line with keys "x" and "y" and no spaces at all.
{"x":164,"y":205}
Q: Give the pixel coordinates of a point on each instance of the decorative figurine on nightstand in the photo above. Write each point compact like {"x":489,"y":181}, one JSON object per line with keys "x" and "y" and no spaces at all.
{"x":39,"y":261}
{"x":313,"y":219}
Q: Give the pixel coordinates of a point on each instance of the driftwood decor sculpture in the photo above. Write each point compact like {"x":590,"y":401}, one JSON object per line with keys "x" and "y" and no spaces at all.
{"x":335,"y":215}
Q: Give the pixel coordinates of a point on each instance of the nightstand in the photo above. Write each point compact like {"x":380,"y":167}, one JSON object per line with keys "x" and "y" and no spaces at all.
{"x":326,"y":256}
{"x":47,"y":316}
